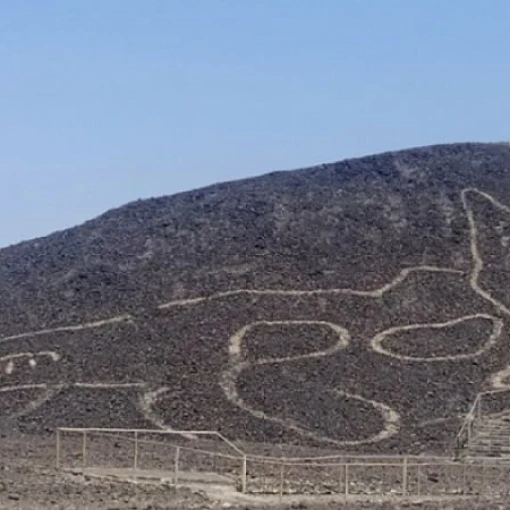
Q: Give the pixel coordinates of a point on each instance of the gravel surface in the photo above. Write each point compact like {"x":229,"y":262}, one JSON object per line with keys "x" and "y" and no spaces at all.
{"x":359,"y":305}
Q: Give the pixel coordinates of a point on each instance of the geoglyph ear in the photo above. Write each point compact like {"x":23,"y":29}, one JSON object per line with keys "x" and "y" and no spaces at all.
{"x":489,"y":227}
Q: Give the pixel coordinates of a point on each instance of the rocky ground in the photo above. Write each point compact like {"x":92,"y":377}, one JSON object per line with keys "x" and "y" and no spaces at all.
{"x":29,"y":480}
{"x":361,"y":304}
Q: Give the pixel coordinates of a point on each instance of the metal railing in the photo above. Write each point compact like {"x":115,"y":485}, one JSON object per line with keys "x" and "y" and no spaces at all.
{"x":400,"y":478}
{"x":135,"y":452}
{"x":208,"y":457}
{"x":476,"y":413}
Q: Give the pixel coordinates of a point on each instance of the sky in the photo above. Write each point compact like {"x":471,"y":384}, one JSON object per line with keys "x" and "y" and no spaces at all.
{"x":106,"y":101}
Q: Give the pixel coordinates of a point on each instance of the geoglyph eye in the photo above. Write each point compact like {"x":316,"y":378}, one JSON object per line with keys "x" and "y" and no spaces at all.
{"x":13,"y":361}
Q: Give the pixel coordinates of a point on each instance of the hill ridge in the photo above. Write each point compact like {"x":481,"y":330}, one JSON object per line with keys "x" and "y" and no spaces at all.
{"x":356,"y":289}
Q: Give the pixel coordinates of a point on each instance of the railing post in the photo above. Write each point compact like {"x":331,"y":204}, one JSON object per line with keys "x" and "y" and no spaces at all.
{"x":135,"y":461}
{"x":281,"y":479}
{"x":346,"y":480}
{"x":483,"y":478}
{"x":58,"y":449}
{"x":263,"y":476}
{"x":244,"y":474}
{"x":84,"y":449}
{"x":176,"y":465}
{"x":404,"y":477}
{"x":418,"y":476}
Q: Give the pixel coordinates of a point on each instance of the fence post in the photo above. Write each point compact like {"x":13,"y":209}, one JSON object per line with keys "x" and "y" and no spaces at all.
{"x":346,"y":481}
{"x":281,"y":479}
{"x":263,"y":476}
{"x":135,"y":461}
{"x":84,"y":449}
{"x":464,"y":478}
{"x":58,"y":449}
{"x":176,"y":465}
{"x":483,"y":477}
{"x":244,"y":475}
{"x":418,"y":476}
{"x":404,"y":477}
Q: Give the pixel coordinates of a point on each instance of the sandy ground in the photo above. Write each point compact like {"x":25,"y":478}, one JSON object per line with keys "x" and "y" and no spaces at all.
{"x":29,"y":480}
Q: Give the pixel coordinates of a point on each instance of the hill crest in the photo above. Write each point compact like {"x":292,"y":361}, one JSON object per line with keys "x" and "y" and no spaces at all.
{"x":371,"y":290}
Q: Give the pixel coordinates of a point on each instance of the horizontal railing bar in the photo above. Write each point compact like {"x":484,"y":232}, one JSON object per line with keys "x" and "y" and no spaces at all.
{"x":182,"y":448}
{"x":148,"y":431}
{"x":155,"y":431}
{"x":343,"y":457}
{"x":386,"y":465}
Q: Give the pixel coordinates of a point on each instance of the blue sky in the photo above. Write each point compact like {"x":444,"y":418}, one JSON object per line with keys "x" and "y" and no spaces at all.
{"x":105,"y":101}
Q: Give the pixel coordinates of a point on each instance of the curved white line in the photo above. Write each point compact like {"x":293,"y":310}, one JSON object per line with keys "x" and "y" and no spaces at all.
{"x":438,"y":421}
{"x":377,"y":341}
{"x":391,"y":418}
{"x":497,"y":380}
{"x":49,"y":393}
{"x":375,"y":293}
{"x":51,"y":390}
{"x":147,"y":402}
{"x":76,"y":327}
{"x":501,"y":379}
{"x":50,"y":354}
{"x":96,"y":385}
{"x":237,"y":365}
{"x":23,"y":387}
{"x":107,"y":385}
{"x":478,"y":263}
{"x":236,"y":341}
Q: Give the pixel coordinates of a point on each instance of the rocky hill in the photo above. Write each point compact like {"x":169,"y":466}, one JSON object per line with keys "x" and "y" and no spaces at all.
{"x":359,"y":304}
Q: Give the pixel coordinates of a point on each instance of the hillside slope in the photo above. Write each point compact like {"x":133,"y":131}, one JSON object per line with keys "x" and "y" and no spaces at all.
{"x":358,"y":304}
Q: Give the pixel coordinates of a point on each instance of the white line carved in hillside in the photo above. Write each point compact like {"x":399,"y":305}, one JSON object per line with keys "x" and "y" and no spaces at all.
{"x":45,"y":392}
{"x":377,"y":342}
{"x":374,"y":293}
{"x":235,"y":345}
{"x":31,"y":356}
{"x":238,"y":363}
{"x":500,"y":379}
{"x":66,"y":385}
{"x":73,"y":327}
{"x":147,"y":403}
{"x":478,"y":263}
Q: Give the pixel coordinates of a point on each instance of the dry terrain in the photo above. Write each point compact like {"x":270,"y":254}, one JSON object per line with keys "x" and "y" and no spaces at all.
{"x":29,"y":481}
{"x":358,"y":305}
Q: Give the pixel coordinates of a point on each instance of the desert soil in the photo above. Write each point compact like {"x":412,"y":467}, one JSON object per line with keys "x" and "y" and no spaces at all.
{"x":29,"y":480}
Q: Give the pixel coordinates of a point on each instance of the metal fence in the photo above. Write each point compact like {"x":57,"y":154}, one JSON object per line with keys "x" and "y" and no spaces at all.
{"x":206,"y":456}
{"x":398,"y":476}
{"x":487,"y":403}
{"x":175,"y":454}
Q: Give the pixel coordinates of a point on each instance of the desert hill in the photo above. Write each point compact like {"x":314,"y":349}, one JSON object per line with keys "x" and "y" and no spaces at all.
{"x":359,"y":304}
